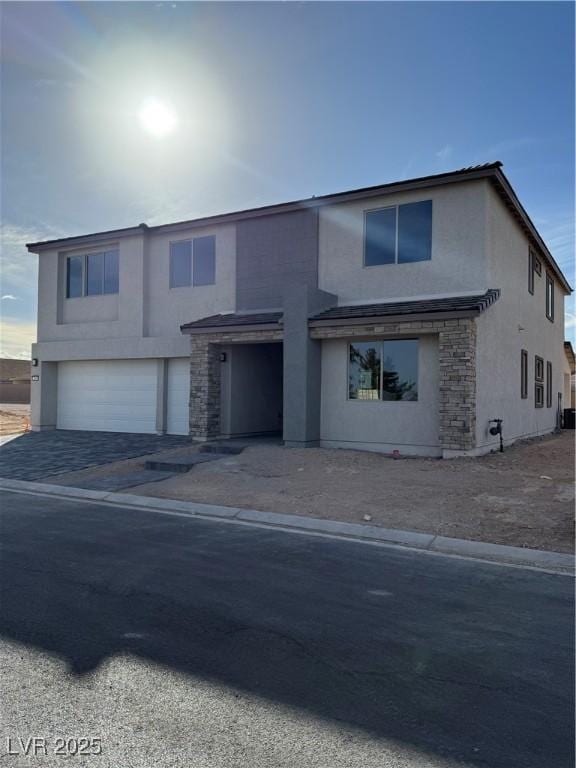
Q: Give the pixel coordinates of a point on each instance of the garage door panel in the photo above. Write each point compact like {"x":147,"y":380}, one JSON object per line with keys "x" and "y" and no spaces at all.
{"x":108,"y":395}
{"x":178,"y":397}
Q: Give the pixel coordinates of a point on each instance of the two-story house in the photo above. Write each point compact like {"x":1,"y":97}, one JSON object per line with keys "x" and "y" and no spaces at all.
{"x":403,"y":317}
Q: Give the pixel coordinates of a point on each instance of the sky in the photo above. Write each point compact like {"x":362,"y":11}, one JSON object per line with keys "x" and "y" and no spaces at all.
{"x":274,"y":101}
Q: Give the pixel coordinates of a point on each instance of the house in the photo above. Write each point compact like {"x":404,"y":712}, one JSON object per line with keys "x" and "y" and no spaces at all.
{"x":403,"y":317}
{"x":14,"y":381}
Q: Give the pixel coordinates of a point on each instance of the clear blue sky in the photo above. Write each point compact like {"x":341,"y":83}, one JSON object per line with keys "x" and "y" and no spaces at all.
{"x":275,"y":101}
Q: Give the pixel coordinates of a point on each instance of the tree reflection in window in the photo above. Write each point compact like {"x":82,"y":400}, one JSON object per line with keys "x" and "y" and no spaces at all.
{"x":364,"y":371}
{"x":383,"y":370}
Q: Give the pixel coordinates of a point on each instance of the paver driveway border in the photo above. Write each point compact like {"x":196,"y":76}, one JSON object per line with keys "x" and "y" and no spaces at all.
{"x":38,"y":455}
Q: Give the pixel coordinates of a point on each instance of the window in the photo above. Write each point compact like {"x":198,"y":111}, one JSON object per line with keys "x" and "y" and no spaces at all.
{"x":204,"y":261}
{"x":539,"y":395}
{"x":193,"y":262}
{"x":398,"y":235}
{"x":364,"y":371}
{"x":534,"y":267}
{"x":383,"y":370}
{"x":180,"y":263}
{"x":538,"y":368}
{"x":548,"y":384}
{"x":93,"y":274}
{"x":549,"y":298}
{"x":524,"y":374}
{"x":74,"y":272}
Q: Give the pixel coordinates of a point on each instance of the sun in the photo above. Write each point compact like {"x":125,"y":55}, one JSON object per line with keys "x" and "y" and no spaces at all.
{"x":157,"y":118}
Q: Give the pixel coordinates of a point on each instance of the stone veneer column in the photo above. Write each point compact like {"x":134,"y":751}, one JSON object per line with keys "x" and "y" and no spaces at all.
{"x":204,"y":389}
{"x":457,"y":353}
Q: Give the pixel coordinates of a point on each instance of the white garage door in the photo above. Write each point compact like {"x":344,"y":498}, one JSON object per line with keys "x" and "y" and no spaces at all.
{"x":177,"y":406}
{"x":107,"y":395}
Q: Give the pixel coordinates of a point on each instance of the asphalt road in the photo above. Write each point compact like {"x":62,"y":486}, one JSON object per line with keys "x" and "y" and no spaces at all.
{"x":181,"y":642}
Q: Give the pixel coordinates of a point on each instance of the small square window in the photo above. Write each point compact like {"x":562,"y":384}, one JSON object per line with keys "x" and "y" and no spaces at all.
{"x":538,"y":368}
{"x":539,"y":395}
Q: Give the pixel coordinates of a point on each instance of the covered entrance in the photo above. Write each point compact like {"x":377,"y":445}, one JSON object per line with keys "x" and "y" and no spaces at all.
{"x":251,"y":389}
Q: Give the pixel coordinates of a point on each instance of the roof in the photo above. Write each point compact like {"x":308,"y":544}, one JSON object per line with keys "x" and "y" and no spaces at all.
{"x":232,"y":321}
{"x":459,"y":305}
{"x":433,"y":308}
{"x":491,"y":171}
{"x":569,"y":351}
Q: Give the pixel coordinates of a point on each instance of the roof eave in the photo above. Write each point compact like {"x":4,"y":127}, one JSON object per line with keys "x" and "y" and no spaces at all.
{"x":530,"y":227}
{"x":386,"y":319}
{"x":203,"y":330}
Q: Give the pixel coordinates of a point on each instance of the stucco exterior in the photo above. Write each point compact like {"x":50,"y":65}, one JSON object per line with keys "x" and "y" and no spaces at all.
{"x":517,"y":321}
{"x":458,"y":263}
{"x":300,"y":259}
{"x":413,"y":428}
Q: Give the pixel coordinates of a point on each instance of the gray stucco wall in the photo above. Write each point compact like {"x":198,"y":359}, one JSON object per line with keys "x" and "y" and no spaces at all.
{"x":516,"y":321}
{"x":410,"y":427}
{"x":274,"y":253}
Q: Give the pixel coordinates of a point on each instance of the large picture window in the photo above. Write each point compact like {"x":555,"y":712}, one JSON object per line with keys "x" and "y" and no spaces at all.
{"x":383,"y":370}
{"x":398,"y":235}
{"x":93,"y":274}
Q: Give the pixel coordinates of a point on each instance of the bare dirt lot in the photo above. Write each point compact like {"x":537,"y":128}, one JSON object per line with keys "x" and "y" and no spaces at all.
{"x":523,"y":497}
{"x":13,"y":418}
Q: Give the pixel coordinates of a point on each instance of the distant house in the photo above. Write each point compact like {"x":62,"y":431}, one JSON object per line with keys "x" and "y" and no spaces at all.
{"x":407,"y":316}
{"x":569,"y":376}
{"x":14,"y":381}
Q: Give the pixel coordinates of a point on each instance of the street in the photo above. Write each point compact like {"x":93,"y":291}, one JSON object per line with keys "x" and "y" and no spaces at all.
{"x":187,"y":642}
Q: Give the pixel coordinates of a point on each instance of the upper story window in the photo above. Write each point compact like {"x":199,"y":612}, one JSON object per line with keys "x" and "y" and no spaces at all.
{"x":92,"y":274}
{"x":549,"y":297}
{"x":383,"y":370}
{"x":193,"y":262}
{"x":398,"y":235}
{"x":534,"y":267}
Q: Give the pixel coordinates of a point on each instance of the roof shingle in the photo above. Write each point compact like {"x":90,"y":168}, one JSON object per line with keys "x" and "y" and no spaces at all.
{"x":472,"y":304}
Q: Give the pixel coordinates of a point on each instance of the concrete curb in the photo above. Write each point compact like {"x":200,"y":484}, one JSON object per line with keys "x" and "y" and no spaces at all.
{"x":498,"y":553}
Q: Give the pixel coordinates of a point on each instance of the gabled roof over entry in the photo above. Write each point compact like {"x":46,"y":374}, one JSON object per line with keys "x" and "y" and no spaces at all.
{"x":454,"y":306}
{"x":233,"y":321}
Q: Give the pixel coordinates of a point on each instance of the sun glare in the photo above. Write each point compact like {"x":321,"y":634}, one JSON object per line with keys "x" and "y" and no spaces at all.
{"x":157,"y":118}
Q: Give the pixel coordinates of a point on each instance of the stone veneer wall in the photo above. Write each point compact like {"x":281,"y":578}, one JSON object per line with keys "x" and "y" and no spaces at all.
{"x":205,"y":376}
{"x":457,"y":353}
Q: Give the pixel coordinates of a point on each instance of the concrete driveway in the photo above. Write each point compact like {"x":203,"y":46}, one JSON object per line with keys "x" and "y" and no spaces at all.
{"x":38,"y":455}
{"x":182,"y":642}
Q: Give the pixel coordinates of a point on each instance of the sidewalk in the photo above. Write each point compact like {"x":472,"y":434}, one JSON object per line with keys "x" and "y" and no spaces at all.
{"x":440,"y":545}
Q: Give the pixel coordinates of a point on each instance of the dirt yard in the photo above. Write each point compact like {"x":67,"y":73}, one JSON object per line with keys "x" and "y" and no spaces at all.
{"x":523,"y":497}
{"x":13,"y":418}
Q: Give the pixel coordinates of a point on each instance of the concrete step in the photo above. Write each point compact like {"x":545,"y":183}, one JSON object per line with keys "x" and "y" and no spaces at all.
{"x":183,"y":464}
{"x":229,"y":449}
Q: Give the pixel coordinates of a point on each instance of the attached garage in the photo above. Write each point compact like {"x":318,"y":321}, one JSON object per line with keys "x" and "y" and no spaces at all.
{"x":178,"y":397}
{"x":107,"y":395}
{"x":121,"y":395}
